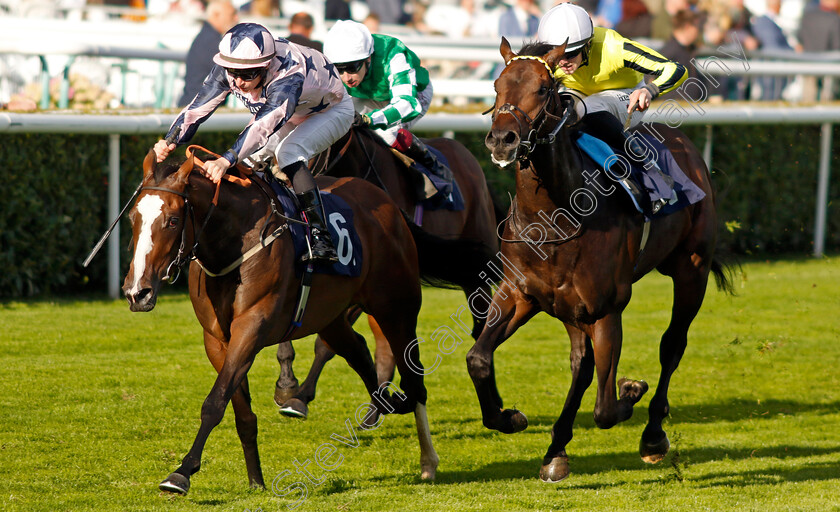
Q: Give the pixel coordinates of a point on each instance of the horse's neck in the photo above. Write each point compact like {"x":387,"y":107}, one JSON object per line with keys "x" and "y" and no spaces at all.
{"x":552,"y":175}
{"x":238,"y":211}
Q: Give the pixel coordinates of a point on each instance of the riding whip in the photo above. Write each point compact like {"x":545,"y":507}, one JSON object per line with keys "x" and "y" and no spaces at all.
{"x":169,"y":140}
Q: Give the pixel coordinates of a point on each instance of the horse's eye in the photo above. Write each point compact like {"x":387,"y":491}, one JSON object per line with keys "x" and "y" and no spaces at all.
{"x":543,"y":90}
{"x":173,"y":222}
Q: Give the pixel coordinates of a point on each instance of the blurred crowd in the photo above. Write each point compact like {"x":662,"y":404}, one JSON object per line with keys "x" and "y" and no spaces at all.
{"x":679,"y":29}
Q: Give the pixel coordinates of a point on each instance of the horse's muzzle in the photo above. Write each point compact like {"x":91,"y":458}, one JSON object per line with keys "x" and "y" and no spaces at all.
{"x":503,"y":145}
{"x":141,"y":300}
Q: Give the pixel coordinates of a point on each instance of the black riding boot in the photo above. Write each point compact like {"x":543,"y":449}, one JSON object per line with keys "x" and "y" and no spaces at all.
{"x":420,"y":152}
{"x":607,"y":127}
{"x":323,"y":249}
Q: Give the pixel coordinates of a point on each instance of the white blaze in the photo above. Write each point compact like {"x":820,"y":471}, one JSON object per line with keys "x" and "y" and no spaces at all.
{"x":149,"y":208}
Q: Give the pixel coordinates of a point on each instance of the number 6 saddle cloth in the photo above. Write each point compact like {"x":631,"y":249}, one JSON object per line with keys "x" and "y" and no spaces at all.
{"x":339,"y":218}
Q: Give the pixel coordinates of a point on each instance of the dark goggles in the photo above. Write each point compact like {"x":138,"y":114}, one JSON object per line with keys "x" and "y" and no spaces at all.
{"x":245,"y":74}
{"x":350,"y":67}
{"x":572,"y":54}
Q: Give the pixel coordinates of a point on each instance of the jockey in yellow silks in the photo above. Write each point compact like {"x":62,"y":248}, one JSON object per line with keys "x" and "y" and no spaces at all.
{"x":607,"y":71}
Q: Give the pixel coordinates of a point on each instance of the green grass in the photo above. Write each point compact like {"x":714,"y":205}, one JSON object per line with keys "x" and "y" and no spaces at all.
{"x":99,"y":404}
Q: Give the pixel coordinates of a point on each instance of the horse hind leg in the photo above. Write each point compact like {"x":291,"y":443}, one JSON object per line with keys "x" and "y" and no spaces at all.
{"x":400,"y":330}
{"x":297,"y":405}
{"x":689,"y":290}
{"x":582,"y":362}
{"x":287,"y":384}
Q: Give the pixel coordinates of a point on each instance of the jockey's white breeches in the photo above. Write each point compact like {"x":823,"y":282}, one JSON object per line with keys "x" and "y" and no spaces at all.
{"x":614,"y":101}
{"x":389,"y":135}
{"x":312,"y":135}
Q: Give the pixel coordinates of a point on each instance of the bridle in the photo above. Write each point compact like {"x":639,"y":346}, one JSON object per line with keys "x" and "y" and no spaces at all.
{"x":536,"y":125}
{"x":183,"y":255}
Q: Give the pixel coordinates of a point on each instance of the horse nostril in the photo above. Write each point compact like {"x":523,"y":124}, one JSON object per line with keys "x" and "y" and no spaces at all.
{"x":142,"y":294}
{"x":511,"y":139}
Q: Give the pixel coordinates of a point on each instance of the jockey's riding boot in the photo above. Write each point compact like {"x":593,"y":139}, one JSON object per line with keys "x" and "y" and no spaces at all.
{"x":323,"y":249}
{"x":638,"y":152}
{"x":418,"y":151}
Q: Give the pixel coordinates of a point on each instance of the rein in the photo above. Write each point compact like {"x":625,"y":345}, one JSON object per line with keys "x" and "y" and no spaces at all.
{"x":526,"y":123}
{"x":183,"y":256}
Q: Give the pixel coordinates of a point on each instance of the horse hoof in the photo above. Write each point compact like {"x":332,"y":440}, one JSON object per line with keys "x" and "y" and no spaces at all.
{"x":654,"y":452}
{"x":428,"y":474}
{"x":556,"y":470}
{"x":294,"y":408}
{"x":175,"y":483}
{"x":513,"y":421}
{"x":283,"y":395}
{"x":632,"y":390}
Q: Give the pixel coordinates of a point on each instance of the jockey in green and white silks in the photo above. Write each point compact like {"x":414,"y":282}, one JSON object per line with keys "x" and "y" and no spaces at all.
{"x":390,"y":89}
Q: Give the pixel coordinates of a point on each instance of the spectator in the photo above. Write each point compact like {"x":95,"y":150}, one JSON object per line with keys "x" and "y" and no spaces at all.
{"x":608,"y":14}
{"x":770,"y":37}
{"x":635,"y":19}
{"x":661,"y":24}
{"x":372,"y":22}
{"x":391,"y":12}
{"x":301,"y":27}
{"x":819,"y":31}
{"x":740,"y":30}
{"x":682,"y":46}
{"x":337,"y":10}
{"x":520,"y":20}
{"x":221,"y":17}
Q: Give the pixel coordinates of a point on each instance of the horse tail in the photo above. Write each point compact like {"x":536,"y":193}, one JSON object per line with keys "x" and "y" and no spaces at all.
{"x":449,"y":263}
{"x":724,"y":262}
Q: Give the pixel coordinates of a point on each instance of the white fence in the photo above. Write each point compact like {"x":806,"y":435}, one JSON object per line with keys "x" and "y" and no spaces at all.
{"x":116,"y":125}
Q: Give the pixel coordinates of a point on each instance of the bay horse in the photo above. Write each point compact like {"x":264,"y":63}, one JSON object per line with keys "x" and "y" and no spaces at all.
{"x":581,"y":269}
{"x":251,"y":303}
{"x":361,"y":153}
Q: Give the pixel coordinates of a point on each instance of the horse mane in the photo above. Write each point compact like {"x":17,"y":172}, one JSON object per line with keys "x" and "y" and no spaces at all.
{"x":163,"y":170}
{"x":536,"y":48}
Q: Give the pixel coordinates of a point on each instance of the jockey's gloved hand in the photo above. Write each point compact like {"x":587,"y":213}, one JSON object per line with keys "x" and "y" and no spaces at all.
{"x":361,"y":120}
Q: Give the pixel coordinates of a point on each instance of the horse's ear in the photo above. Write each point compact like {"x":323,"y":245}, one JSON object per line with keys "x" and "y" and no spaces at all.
{"x":505,"y":50}
{"x":553,"y":57}
{"x":186,"y":168}
{"x":149,"y":165}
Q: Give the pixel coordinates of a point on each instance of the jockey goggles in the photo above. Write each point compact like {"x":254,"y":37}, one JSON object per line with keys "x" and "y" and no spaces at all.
{"x":245,"y":74}
{"x":572,"y":54}
{"x":350,"y":67}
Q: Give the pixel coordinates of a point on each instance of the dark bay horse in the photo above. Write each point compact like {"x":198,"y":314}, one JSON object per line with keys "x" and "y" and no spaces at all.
{"x":361,"y":153}
{"x":581,"y":269}
{"x":250,"y":304}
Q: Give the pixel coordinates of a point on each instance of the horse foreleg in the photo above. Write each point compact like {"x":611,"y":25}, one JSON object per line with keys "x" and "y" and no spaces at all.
{"x":689,"y":290}
{"x":609,"y":411}
{"x":287,"y":384}
{"x":556,"y":463}
{"x":230,"y":384}
{"x":511,"y":311}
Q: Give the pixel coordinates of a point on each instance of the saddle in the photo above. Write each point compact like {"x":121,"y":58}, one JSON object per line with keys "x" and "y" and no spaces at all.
{"x":599,"y":152}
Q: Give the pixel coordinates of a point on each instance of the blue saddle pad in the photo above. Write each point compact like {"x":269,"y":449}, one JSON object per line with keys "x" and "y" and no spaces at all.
{"x":449,"y":195}
{"x":687,"y":192}
{"x":342,"y":230}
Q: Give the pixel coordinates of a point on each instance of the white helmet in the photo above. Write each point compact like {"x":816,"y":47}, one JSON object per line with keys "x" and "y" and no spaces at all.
{"x":246,"y":45}
{"x":348,"y":41}
{"x":565,"y":21}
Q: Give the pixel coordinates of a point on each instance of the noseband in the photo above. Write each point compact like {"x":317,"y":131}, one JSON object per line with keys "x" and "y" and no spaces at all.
{"x":535,"y":126}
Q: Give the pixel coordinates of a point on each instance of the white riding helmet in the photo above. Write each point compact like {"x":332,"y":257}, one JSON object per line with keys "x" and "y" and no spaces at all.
{"x":565,"y":21}
{"x":246,"y":45}
{"x":348,"y":41}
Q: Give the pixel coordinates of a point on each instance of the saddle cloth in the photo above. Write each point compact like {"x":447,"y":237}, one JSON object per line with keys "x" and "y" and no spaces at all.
{"x":448,"y":195}
{"x":687,"y":192}
{"x":340,"y":224}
